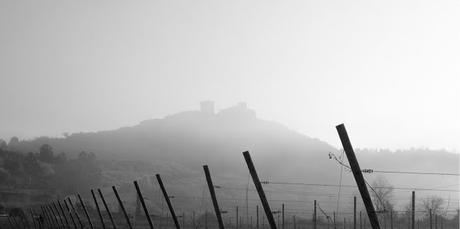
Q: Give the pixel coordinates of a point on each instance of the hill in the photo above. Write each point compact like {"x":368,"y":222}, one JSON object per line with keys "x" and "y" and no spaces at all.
{"x":178,"y":145}
{"x":193,"y":138}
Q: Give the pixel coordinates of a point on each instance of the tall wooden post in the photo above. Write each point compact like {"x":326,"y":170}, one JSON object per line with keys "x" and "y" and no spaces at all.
{"x":293,"y":221}
{"x":257,"y":216}
{"x":33,"y":218}
{"x":458,"y":220}
{"x":354,"y":212}
{"x":40,"y":219}
{"x":122,"y":207}
{"x":86,"y":211}
{"x":52,"y":217}
{"x":213,"y":197}
{"x":14,"y":225}
{"x":260,"y":190}
{"x":75,"y":213}
{"x":107,"y":209}
{"x":314,"y":214}
{"x":17,"y":223}
{"x":47,"y":215}
{"x":70,"y":214}
{"x":431,"y":220}
{"x":278,"y":216}
{"x":55,"y":217}
{"x":98,"y":209}
{"x":59,"y":214}
{"x":408,"y":219}
{"x":282,"y":216}
{"x":141,"y":199}
{"x":413,"y":210}
{"x":358,"y":176}
{"x":52,"y":220}
{"x":11,"y":224}
{"x":391,"y":219}
{"x":168,"y":201}
{"x":43,"y":213}
{"x":333,"y":215}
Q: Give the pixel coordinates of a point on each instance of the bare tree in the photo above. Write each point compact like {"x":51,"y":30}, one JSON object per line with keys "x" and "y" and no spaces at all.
{"x":382,"y":194}
{"x":434,"y":203}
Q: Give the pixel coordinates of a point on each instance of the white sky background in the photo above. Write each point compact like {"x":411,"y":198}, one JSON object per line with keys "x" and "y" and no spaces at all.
{"x":388,"y":69}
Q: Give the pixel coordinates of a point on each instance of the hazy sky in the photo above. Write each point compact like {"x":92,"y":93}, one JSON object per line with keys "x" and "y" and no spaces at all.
{"x":390,"y":70}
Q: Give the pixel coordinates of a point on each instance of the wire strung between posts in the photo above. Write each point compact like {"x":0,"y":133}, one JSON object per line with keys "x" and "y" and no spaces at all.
{"x":414,"y":173}
{"x":332,"y":156}
{"x":354,"y":186}
{"x":324,"y":213}
{"x":340,"y":182}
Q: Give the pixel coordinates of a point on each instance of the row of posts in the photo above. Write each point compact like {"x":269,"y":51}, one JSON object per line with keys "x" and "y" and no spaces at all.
{"x":50,"y":212}
{"x":55,"y":213}
{"x":53,"y":222}
{"x":63,"y":214}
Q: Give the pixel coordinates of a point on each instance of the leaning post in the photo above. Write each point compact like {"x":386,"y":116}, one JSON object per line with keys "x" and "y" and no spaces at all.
{"x":141,"y":198}
{"x":107,"y":209}
{"x":260,"y":190}
{"x":98,"y":209}
{"x":122,"y":207}
{"x":213,"y":196}
{"x":86,"y":211}
{"x":358,"y":176}
{"x":168,"y":201}
{"x":75,"y":213}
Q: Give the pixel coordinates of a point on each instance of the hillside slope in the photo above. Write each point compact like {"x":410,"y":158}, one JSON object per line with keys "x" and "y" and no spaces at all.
{"x":178,"y":145}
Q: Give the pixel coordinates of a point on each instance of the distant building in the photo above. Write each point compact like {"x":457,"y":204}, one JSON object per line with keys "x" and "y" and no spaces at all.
{"x":238,"y":112}
{"x":207,"y":107}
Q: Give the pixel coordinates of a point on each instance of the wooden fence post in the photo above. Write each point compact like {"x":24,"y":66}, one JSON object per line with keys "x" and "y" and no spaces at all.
{"x":358,"y":176}
{"x":213,"y":196}
{"x":75,"y":212}
{"x":86,"y":211}
{"x":260,"y":190}
{"x":70,"y":214}
{"x":168,"y":201}
{"x":98,"y":209}
{"x":122,"y":207}
{"x":107,"y":209}
{"x":141,"y":198}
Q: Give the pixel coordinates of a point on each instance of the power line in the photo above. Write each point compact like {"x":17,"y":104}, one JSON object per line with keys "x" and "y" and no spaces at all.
{"x":354,"y":186}
{"x":413,"y":173}
{"x":324,"y":213}
{"x":332,"y":156}
{"x":274,"y":200}
{"x":340,"y":180}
